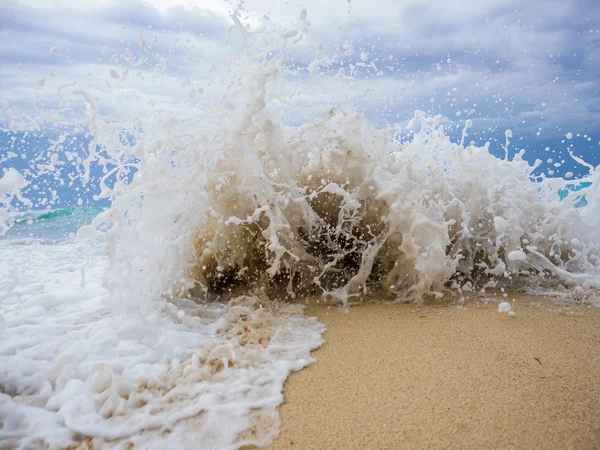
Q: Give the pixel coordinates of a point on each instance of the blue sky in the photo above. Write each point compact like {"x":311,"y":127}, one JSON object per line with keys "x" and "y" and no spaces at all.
{"x":531,"y":66}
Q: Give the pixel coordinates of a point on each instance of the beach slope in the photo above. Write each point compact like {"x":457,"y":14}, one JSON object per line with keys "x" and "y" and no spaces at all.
{"x":401,"y":376}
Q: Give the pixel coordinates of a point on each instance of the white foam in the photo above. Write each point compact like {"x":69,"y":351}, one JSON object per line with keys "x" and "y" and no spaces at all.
{"x":517,"y":255}
{"x":71,"y":367}
{"x":504,"y":307}
{"x":11,"y":184}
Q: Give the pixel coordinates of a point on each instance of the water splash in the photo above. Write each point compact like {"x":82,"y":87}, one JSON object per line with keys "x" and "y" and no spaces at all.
{"x":235,"y":202}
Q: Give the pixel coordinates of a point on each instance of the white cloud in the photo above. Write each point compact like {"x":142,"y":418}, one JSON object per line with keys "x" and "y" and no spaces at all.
{"x":517,"y":63}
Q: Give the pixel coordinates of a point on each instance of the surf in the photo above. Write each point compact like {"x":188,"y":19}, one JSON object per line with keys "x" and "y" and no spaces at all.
{"x":333,"y":207}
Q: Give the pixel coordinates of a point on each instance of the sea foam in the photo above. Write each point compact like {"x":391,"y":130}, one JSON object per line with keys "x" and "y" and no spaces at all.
{"x":71,"y":369}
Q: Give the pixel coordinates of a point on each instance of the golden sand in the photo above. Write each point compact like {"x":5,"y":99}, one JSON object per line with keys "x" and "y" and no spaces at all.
{"x":399,"y":376}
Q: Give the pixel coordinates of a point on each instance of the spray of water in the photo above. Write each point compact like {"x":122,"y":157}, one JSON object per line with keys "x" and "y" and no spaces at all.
{"x":237,"y":202}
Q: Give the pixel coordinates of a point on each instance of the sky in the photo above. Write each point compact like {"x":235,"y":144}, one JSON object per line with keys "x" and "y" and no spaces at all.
{"x":530,"y":66}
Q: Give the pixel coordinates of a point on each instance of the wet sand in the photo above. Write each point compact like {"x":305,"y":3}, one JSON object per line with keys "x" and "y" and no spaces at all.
{"x":399,"y":376}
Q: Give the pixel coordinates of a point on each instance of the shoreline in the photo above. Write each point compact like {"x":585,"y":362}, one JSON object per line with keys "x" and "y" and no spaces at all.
{"x":402,"y":376}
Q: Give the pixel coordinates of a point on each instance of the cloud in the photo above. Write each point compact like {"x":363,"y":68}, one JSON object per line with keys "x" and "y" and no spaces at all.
{"x":517,"y":64}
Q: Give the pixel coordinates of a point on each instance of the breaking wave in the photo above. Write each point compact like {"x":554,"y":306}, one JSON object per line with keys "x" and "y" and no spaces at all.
{"x":333,"y":207}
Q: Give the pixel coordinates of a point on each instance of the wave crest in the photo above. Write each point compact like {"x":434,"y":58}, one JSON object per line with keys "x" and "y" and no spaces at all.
{"x":241,"y":203}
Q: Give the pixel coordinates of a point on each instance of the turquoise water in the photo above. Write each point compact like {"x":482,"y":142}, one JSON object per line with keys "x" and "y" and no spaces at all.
{"x":572,"y":187}
{"x":51,"y":225}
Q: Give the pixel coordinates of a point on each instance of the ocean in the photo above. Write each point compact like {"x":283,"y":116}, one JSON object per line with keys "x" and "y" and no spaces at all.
{"x":50,"y":226}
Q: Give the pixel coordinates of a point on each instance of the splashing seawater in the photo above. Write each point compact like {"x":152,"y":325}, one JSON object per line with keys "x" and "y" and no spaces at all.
{"x":334,"y":207}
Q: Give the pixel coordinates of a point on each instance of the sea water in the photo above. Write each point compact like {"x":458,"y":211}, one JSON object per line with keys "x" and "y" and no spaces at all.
{"x":170,"y":318}
{"x":187,"y":373}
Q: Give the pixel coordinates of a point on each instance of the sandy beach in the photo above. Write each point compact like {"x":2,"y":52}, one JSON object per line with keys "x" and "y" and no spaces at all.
{"x":401,"y":376}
